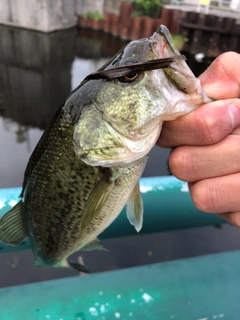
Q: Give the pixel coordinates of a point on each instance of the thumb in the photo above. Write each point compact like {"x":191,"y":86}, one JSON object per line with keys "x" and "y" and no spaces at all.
{"x":221,"y":79}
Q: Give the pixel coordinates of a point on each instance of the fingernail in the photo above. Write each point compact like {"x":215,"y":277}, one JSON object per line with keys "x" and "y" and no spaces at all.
{"x":234,"y":115}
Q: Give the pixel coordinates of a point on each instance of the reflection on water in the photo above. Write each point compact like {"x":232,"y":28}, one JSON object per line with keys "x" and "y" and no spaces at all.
{"x":82,"y":67}
{"x":14,"y":156}
{"x":37,"y":73}
{"x":35,"y":69}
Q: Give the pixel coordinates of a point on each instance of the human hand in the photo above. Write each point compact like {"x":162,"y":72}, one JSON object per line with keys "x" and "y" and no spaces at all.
{"x":207,"y":142}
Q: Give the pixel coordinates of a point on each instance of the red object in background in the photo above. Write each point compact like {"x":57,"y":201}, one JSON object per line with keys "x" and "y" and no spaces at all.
{"x":82,"y":22}
{"x":114,"y":24}
{"x":96,"y":24}
{"x":156,"y":23}
{"x":136,"y":28}
{"x":125,"y":20}
{"x":167,"y":18}
{"x":106,"y":24}
{"x":147,"y":26}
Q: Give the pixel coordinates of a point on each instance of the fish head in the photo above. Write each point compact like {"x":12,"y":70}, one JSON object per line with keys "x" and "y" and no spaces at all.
{"x":123,"y":118}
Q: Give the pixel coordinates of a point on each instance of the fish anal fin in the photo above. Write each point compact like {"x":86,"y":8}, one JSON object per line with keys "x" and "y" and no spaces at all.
{"x":94,"y":245}
{"x":12,"y":226}
{"x":63,"y":264}
{"x":96,"y":200}
{"x":135,"y":208}
{"x":77,"y":266}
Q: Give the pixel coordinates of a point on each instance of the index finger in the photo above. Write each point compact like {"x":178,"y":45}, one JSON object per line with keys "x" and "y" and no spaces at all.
{"x":206,"y":125}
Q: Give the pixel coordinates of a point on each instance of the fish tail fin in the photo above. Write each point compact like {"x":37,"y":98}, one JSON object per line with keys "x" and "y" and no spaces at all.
{"x":13,"y":228}
{"x":77,"y":266}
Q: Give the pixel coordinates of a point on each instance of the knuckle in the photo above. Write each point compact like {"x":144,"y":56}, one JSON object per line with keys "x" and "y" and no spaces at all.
{"x":222,"y":61}
{"x":205,"y":196}
{"x":175,"y":162}
{"x":181,"y":163}
{"x":207,"y":130}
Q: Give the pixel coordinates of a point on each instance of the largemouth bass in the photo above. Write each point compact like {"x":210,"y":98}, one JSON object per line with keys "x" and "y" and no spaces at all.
{"x":88,"y":162}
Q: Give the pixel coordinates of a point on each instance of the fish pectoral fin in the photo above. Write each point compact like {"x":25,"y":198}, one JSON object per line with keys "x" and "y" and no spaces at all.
{"x":13,"y":229}
{"x":135,"y":208}
{"x":77,"y":266}
{"x":96,"y":200}
{"x":94,"y":245}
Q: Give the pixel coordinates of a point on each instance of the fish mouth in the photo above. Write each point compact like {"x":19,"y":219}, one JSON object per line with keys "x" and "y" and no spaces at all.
{"x":162,"y":43}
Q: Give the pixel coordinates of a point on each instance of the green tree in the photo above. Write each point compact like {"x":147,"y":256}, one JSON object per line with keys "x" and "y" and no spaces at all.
{"x":149,"y":8}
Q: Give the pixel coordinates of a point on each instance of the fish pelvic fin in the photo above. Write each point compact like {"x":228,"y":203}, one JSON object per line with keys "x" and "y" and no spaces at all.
{"x":135,"y":208}
{"x":38,"y":263}
{"x":13,"y":228}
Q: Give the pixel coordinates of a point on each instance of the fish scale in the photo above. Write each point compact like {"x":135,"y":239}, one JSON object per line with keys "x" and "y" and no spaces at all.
{"x":86,"y":178}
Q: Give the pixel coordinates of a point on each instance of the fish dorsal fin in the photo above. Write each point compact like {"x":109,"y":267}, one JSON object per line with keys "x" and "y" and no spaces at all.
{"x":96,"y":200}
{"x":12,"y":226}
{"x":135,"y":208}
{"x":94,"y":245}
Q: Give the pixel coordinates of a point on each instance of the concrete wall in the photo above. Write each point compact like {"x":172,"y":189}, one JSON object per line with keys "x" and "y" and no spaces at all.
{"x":112,"y":6}
{"x":84,"y":6}
{"x":41,"y":15}
{"x":51,"y":15}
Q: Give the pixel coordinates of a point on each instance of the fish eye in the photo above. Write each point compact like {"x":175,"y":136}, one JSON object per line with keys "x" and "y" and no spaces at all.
{"x":129,"y":78}
{"x":127,"y":61}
